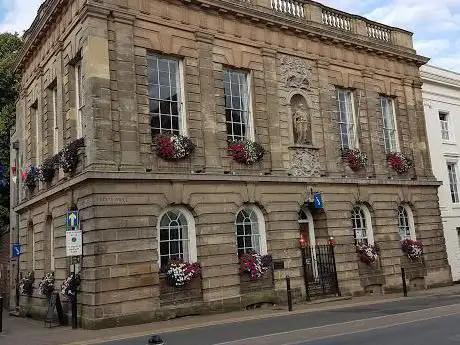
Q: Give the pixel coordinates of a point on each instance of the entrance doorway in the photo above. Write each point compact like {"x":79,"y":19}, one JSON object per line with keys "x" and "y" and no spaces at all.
{"x":318,"y":261}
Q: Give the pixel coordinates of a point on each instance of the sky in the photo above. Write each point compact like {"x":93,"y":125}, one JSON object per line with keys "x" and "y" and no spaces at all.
{"x":435,"y":23}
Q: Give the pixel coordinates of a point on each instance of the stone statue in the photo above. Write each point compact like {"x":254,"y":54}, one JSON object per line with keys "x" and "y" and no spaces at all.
{"x":302,"y":125}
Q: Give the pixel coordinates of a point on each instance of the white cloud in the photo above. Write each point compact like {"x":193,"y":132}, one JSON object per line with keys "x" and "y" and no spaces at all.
{"x":19,"y":14}
{"x":432,"y":47}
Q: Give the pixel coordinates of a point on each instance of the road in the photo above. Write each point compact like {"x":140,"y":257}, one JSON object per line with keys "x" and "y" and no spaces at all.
{"x":428,"y":320}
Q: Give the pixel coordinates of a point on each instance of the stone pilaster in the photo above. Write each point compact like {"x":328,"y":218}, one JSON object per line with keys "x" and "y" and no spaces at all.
{"x":208,"y":101}
{"x":272,"y":104}
{"x":124,"y":98}
{"x":326,"y":105}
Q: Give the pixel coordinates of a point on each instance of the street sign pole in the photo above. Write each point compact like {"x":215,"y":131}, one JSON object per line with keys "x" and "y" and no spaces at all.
{"x":74,"y":304}
{"x":74,"y":249}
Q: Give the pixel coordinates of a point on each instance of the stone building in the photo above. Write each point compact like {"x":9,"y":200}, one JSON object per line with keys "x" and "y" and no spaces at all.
{"x":441,"y":97}
{"x":298,"y":91}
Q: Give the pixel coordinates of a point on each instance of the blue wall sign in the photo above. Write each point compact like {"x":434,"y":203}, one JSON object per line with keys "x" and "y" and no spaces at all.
{"x":72,"y":220}
{"x":16,"y":251}
{"x":317,"y":200}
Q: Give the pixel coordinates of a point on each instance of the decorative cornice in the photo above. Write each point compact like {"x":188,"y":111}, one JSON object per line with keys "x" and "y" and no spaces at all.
{"x":315,"y":31}
{"x":204,"y":37}
{"x":324,"y":64}
{"x":366,"y":73}
{"x":269,"y":52}
{"x":102,"y":175}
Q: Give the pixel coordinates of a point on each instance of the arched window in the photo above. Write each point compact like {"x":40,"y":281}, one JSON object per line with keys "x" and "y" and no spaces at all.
{"x":177,"y":238}
{"x":250,"y":231}
{"x":406,"y":227}
{"x":362,"y":226}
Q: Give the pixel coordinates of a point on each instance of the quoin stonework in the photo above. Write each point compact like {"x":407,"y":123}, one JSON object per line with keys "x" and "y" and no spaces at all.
{"x":205,"y":130}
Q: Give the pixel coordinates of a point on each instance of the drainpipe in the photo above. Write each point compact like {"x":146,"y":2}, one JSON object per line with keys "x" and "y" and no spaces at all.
{"x":15,"y":146}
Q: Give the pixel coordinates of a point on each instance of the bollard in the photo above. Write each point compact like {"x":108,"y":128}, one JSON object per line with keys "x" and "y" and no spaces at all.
{"x":1,"y":314}
{"x":289,"y":293}
{"x":403,"y":276}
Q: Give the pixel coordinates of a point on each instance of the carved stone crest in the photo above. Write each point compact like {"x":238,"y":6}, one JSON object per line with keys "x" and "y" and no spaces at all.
{"x":296,"y":73}
{"x":305,"y":162}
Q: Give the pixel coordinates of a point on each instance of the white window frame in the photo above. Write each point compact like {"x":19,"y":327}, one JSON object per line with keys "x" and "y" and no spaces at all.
{"x":250,"y":128}
{"x":455,"y":165}
{"x":311,"y":237}
{"x":52,"y":257}
{"x":192,"y":255}
{"x":261,"y":232}
{"x":36,"y":115}
{"x":449,"y":127}
{"x":366,"y":216}
{"x":180,"y":85}
{"x":386,"y":130}
{"x":79,"y":98}
{"x":409,"y":223}
{"x":352,"y":126}
{"x":54,"y":99}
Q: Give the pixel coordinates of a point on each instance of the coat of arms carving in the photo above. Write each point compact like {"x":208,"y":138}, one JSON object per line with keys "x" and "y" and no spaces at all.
{"x":296,"y":73}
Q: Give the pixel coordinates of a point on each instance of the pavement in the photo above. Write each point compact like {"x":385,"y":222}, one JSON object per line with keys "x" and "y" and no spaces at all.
{"x":265,"y":326}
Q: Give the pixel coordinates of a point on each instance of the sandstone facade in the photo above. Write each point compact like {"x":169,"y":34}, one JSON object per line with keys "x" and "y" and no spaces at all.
{"x":295,"y":56}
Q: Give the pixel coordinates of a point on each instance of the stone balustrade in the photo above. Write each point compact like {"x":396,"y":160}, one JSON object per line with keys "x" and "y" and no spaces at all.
{"x":378,"y":32}
{"x":315,"y":13}
{"x":336,"y":20}
{"x":289,"y":7}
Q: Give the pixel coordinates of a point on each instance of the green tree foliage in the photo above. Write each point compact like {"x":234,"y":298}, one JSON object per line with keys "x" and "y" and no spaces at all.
{"x":10,"y":44}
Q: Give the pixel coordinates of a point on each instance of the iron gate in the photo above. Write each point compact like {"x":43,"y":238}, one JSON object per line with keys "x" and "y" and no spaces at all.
{"x":320,"y":274}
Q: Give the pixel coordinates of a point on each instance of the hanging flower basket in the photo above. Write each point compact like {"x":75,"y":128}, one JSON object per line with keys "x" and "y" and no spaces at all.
{"x":255,"y":265}
{"x":399,"y":162}
{"x":47,"y":170}
{"x":367,"y":253}
{"x":413,"y":249}
{"x":70,"y":285}
{"x":29,"y":177}
{"x":246,"y":151}
{"x":180,"y":273}
{"x":46,"y":286}
{"x":26,"y":285}
{"x":69,"y":155}
{"x":174,"y":147}
{"x":356,"y":159}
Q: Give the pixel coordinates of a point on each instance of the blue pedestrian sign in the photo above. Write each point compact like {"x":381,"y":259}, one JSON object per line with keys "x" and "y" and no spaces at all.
{"x":16,"y":250}
{"x":317,"y":200}
{"x":72,"y":220}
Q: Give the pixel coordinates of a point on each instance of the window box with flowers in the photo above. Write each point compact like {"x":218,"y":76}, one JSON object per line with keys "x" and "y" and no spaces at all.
{"x":47,"y":170}
{"x":26,"y":285}
{"x":46,"y":286}
{"x":413,"y":249}
{"x":256,"y":272}
{"x":30,"y":177}
{"x":245,"y":151}
{"x":173,"y":147}
{"x":70,"y":155}
{"x":356,"y":159}
{"x":180,"y":282}
{"x":399,"y":162}
{"x":70,"y":286}
{"x":368,"y":254}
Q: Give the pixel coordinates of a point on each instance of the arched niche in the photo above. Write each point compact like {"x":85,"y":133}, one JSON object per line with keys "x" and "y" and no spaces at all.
{"x":301,"y":120}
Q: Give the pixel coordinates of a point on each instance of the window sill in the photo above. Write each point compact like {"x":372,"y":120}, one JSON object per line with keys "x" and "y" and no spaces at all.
{"x":456,"y":206}
{"x":445,"y":142}
{"x":295,"y":147}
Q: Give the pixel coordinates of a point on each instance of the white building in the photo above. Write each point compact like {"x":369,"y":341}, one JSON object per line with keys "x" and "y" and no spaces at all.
{"x":441,"y":97}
